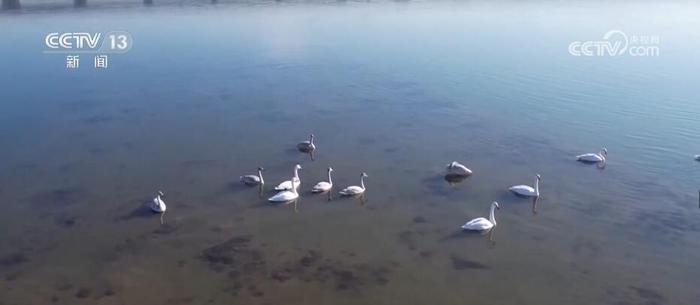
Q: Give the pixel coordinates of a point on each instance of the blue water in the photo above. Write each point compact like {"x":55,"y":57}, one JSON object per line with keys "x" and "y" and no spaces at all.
{"x":397,"y":90}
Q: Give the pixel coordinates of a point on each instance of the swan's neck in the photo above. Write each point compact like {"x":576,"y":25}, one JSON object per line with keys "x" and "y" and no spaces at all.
{"x":260,"y":176}
{"x":296,"y":173}
{"x":362,"y":182}
{"x":492,"y":216}
{"x":311,"y":140}
{"x":537,"y":187}
{"x":329,"y":178}
{"x":294,"y":187}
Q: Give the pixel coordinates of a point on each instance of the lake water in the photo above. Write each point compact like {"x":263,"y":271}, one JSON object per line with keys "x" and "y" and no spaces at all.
{"x":397,"y":90}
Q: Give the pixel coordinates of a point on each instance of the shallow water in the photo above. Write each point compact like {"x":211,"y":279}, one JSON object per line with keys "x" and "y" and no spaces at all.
{"x":397,"y":90}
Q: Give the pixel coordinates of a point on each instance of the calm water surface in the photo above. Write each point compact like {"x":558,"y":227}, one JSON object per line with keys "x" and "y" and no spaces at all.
{"x":397,"y":90}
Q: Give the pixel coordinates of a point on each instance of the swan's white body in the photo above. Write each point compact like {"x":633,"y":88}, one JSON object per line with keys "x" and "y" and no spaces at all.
{"x":158,"y":205}
{"x":593,"y":157}
{"x":481,"y":223}
{"x":287,"y":185}
{"x":253,"y":179}
{"x":324,"y":186}
{"x":285,"y":196}
{"x":456,"y":168}
{"x":526,"y":190}
{"x":355,"y":190}
{"x":307,"y":145}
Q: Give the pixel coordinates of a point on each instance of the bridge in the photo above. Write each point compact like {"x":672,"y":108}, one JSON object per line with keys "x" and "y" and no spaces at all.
{"x":15,"y":4}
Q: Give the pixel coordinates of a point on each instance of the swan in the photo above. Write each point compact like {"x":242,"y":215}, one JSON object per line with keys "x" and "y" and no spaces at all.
{"x":253,"y":179}
{"x":594,"y":157}
{"x":481,"y":223}
{"x":526,"y":190}
{"x":158,"y":205}
{"x":355,"y":190}
{"x":287,"y":185}
{"x":324,"y":186}
{"x":458,"y":169}
{"x":286,"y":196}
{"x":307,"y":146}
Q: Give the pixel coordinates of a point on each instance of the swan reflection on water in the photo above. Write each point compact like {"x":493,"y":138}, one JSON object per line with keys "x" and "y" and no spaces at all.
{"x":261,"y":191}
{"x":293,"y":203}
{"x":488,"y":235}
{"x":535,"y":200}
{"x":162,"y":218}
{"x":311,"y":155}
{"x":362,"y":200}
{"x":491,"y":238}
{"x":453,"y":179}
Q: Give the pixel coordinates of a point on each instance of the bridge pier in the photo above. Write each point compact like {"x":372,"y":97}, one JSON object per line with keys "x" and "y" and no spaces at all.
{"x":79,"y":3}
{"x":10,"y":4}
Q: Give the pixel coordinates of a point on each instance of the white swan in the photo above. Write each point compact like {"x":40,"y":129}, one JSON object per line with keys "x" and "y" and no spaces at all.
{"x":286,"y":196}
{"x":307,"y":146}
{"x":481,"y":223}
{"x":355,"y":190}
{"x":253,"y":179}
{"x":287,"y":185}
{"x":594,"y":157}
{"x":526,"y":190}
{"x":324,"y":186}
{"x":456,"y":168}
{"x":158,"y":205}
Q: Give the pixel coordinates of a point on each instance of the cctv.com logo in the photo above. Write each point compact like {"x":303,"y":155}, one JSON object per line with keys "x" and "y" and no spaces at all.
{"x":617,"y":43}
{"x":84,"y":42}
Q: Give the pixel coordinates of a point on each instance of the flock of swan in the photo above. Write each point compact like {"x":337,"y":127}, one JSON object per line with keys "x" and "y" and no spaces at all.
{"x":483,"y":224}
{"x":288,"y":190}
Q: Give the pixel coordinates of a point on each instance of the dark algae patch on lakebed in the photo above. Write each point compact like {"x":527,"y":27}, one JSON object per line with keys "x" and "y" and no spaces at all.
{"x":242,"y":262}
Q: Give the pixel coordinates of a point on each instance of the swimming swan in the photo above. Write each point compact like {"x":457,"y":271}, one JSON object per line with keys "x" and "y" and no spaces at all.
{"x":253,"y":179}
{"x":307,"y":146}
{"x":593,"y":157}
{"x":324,"y":186}
{"x":158,"y":205}
{"x":526,"y":190}
{"x":481,"y":223}
{"x":287,"y":185}
{"x":355,"y":190}
{"x":456,"y":168}
{"x":286,"y":196}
